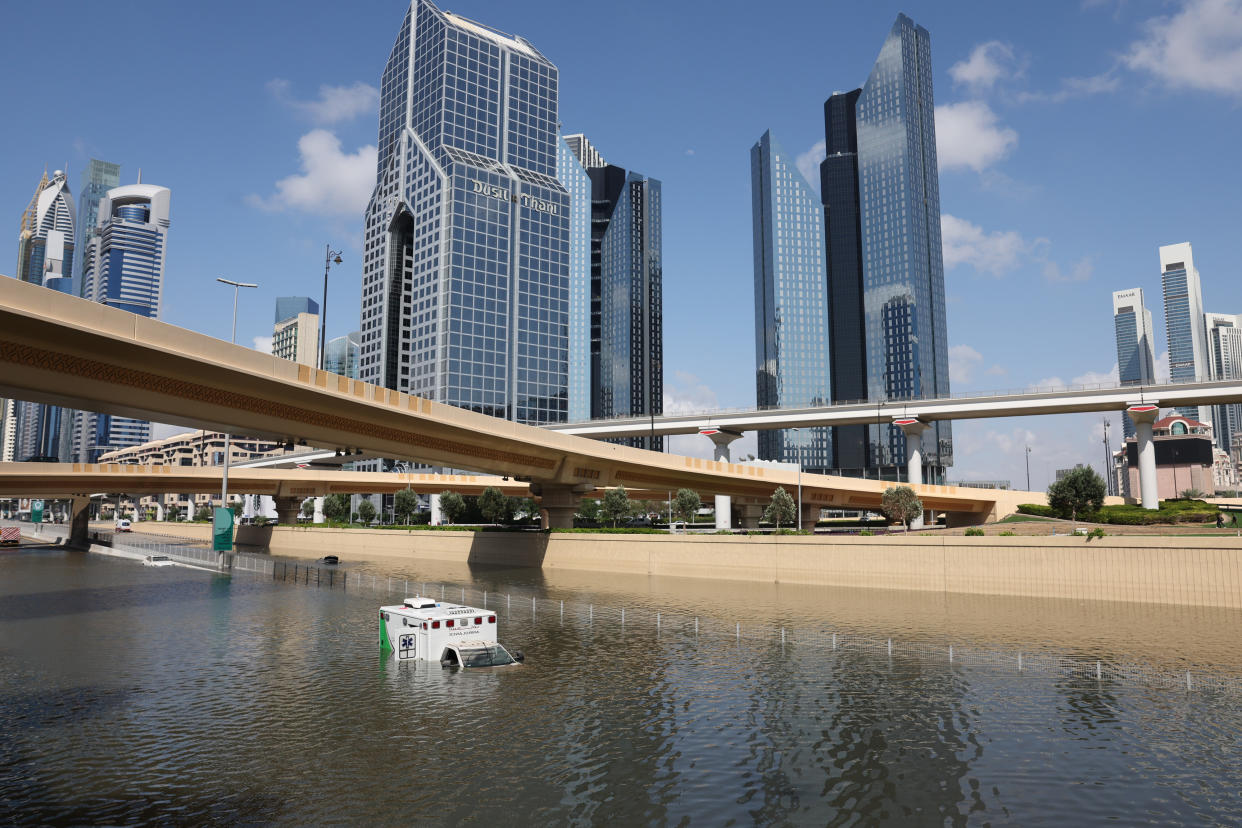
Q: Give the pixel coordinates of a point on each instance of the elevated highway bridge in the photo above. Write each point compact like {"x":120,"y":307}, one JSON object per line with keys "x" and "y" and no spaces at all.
{"x":59,"y":349}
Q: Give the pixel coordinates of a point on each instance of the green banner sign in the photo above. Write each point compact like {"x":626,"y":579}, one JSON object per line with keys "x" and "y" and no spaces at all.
{"x":36,"y":511}
{"x":222,"y":530}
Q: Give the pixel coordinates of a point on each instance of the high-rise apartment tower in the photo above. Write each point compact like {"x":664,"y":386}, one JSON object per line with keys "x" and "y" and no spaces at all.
{"x":1184,"y":323}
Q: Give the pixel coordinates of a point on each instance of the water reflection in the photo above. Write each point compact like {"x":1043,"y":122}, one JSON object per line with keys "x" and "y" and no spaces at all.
{"x":175,"y":696}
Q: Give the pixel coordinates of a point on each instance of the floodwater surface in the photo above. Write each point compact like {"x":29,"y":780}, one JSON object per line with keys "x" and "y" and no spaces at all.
{"x":136,"y":695}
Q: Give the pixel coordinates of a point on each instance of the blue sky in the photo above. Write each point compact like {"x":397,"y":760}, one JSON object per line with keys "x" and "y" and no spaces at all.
{"x":1075,"y":138}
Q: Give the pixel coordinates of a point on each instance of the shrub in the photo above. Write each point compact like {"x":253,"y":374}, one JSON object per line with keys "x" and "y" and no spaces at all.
{"x":1006,"y":534}
{"x":866,"y":533}
{"x":1097,"y":532}
{"x":1037,"y":509}
{"x":974,"y":532}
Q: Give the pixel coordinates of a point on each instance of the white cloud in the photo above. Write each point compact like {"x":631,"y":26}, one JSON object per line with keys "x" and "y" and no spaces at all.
{"x":263,"y":343}
{"x":995,"y":253}
{"x":969,"y":136}
{"x":335,"y":103}
{"x":963,"y":360}
{"x":1079,"y":271}
{"x":1076,"y":88}
{"x":687,"y":394}
{"x":988,"y":63}
{"x":808,"y":163}
{"x":1198,"y":48}
{"x":1110,"y":377}
{"x":332,"y":183}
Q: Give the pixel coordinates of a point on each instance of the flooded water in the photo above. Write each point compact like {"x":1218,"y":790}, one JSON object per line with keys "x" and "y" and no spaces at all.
{"x":135,"y":695}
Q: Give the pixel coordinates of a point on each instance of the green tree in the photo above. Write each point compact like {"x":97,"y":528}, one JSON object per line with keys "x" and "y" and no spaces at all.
{"x":308,"y":508}
{"x":686,"y":505}
{"x":452,"y":505}
{"x":524,"y":506}
{"x":781,"y":508}
{"x":1192,"y":494}
{"x":405,"y":504}
{"x":366,"y":511}
{"x":900,"y":505}
{"x":494,"y":506}
{"x":203,"y":513}
{"x":336,"y":508}
{"x":1080,"y":492}
{"x":588,"y":510}
{"x":616,"y":505}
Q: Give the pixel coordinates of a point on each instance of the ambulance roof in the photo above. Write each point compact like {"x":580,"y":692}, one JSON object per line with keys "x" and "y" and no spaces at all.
{"x":428,"y":608}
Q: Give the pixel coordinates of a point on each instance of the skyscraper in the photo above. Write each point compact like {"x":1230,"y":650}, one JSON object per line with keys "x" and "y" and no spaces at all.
{"x":1184,"y":323}
{"x":838,"y":186}
{"x":45,"y":250}
{"x":791,"y":303}
{"x":97,"y":179}
{"x":1136,"y":359}
{"x":626,"y":289}
{"x":903,"y":266}
{"x":1224,"y":339}
{"x":288,"y":307}
{"x":577,"y":183}
{"x":631,"y":307}
{"x":465,"y":286}
{"x":341,"y":355}
{"x":123,"y":267}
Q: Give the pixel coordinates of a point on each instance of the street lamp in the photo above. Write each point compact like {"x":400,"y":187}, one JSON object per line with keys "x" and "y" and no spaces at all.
{"x":1028,"y":468}
{"x":330,"y":258}
{"x":228,"y":438}
{"x":798,"y":441}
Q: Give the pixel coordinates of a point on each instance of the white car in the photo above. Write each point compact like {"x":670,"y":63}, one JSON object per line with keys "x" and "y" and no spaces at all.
{"x":157,"y":560}
{"x":122,"y":525}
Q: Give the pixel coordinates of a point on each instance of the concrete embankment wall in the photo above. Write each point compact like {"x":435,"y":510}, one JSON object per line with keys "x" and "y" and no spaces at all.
{"x":1184,"y":571}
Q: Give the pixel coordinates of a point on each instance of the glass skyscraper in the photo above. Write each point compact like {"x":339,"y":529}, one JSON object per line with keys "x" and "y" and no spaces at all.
{"x":123,"y":267}
{"x":1136,"y":359}
{"x":1184,"y":323}
{"x":903,"y":268}
{"x":1224,"y":335}
{"x":97,"y":179}
{"x":465,"y":286}
{"x":631,"y":307}
{"x":45,"y":254}
{"x":838,"y":180}
{"x":791,"y":303}
{"x":577,"y":183}
{"x":625,"y":290}
{"x":341,"y":355}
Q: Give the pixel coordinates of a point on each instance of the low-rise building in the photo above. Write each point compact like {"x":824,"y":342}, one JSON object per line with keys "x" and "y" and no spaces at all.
{"x":193,"y":448}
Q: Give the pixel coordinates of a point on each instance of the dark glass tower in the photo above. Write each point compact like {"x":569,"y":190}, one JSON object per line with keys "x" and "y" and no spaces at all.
{"x":465,"y":285}
{"x":838,"y":179}
{"x":626,"y":290}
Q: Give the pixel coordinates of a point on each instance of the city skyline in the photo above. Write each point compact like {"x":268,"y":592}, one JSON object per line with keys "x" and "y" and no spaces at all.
{"x":1013,"y":216}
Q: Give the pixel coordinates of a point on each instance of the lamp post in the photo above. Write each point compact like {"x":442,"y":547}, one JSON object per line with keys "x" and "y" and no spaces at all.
{"x":228,"y":438}
{"x":798,"y":442}
{"x":330,"y":258}
{"x":1028,"y":468}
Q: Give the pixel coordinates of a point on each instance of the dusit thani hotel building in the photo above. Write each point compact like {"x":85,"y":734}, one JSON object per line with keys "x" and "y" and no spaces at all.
{"x":465,"y":287}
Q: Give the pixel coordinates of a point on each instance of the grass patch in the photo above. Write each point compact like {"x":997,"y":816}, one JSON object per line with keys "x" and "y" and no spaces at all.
{"x":1020,"y":518}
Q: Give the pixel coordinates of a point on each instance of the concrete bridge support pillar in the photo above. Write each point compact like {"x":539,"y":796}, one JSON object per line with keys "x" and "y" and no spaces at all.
{"x":318,"y":510}
{"x":1143,"y":416}
{"x":558,"y":502}
{"x":287,"y":509}
{"x":809,"y":517}
{"x":80,"y":522}
{"x":721,"y":438}
{"x":913,"y":429}
{"x":751,"y":514}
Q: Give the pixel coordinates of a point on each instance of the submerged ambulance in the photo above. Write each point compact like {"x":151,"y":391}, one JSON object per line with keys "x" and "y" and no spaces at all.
{"x":455,"y":635}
